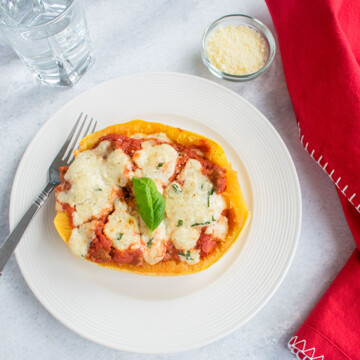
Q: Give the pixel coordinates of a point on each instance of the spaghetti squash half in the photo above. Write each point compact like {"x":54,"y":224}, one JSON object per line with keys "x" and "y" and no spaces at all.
{"x":151,"y":199}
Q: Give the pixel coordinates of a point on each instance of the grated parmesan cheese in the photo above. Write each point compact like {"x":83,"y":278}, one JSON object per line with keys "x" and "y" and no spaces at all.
{"x":236,"y":49}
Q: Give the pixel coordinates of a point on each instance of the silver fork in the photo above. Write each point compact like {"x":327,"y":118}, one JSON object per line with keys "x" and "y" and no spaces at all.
{"x":63,"y":158}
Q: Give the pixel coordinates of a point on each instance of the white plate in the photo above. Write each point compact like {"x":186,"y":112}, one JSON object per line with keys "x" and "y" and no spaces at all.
{"x":158,"y":314}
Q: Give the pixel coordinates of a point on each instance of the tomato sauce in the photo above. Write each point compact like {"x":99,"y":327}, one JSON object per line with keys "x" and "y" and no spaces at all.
{"x":64,"y":185}
{"x":100,"y":247}
{"x":63,"y":170}
{"x":171,"y":253}
{"x":126,"y":144}
{"x":204,"y":146}
{"x":181,"y":161}
{"x":205,"y":243}
{"x":70,"y":210}
{"x":128,"y":256}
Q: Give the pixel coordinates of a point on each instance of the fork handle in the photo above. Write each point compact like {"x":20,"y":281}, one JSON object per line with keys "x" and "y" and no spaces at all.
{"x":14,"y":237}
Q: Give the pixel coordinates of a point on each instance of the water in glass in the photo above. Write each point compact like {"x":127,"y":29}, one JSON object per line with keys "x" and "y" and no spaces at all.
{"x":50,"y":37}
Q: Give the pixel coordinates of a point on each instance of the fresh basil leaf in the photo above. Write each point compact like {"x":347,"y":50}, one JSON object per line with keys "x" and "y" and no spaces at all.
{"x":149,"y":201}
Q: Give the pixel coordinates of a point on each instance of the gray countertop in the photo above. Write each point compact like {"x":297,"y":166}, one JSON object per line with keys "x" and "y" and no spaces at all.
{"x":158,"y":35}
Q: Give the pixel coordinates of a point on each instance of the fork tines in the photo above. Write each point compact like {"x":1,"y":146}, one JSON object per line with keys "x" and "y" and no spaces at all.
{"x":67,"y":149}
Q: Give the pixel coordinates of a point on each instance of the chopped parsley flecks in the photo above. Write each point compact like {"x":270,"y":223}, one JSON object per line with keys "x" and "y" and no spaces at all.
{"x":186,"y":255}
{"x":203,"y":223}
{"x":210,"y":192}
{"x":149,"y":243}
{"x":180,"y":222}
{"x":176,"y":188}
{"x":119,"y":236}
{"x":159,"y":165}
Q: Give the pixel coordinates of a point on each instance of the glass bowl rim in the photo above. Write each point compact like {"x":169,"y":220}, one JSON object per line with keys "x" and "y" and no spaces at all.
{"x":264,"y":31}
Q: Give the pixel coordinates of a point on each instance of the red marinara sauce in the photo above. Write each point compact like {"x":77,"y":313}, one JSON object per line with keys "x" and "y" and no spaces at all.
{"x":126,"y":144}
{"x":205,"y":243}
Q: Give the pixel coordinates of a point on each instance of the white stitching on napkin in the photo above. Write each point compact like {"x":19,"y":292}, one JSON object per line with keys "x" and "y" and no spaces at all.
{"x":337,"y":182}
{"x":353,"y":195}
{"x":299,"y":348}
{"x":344,"y":189}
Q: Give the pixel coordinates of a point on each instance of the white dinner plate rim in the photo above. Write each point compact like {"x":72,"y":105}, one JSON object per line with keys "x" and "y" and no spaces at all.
{"x":43,"y":129}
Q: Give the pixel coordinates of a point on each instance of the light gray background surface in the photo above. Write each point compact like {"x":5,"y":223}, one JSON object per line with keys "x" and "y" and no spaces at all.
{"x":158,"y":35}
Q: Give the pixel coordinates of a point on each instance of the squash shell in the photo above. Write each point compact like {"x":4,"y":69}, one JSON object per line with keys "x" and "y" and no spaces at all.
{"x":238,"y":212}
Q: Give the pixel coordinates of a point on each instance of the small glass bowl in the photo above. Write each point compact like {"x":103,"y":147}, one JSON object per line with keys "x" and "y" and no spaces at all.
{"x":239,"y":19}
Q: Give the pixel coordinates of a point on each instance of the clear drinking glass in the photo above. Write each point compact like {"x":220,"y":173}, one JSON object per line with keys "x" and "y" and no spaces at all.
{"x":50,"y":36}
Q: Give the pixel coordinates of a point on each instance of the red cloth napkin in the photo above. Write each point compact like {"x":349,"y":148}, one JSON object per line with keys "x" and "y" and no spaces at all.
{"x":320,"y":48}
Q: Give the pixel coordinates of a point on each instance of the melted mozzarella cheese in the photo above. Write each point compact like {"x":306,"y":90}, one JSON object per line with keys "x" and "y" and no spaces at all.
{"x":160,"y":136}
{"x":221,"y":228}
{"x":157,"y":162}
{"x":155,"y":243}
{"x":194,"y":202}
{"x":118,"y":168}
{"x":185,"y":238}
{"x":122,"y":228}
{"x":191,"y":206}
{"x":81,"y":238}
{"x":95,"y":176}
{"x":137,"y":136}
{"x":218,"y":229}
